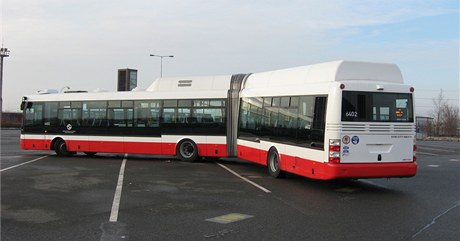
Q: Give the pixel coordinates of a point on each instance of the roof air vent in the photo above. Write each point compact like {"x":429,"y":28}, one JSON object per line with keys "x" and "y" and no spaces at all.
{"x":184,"y":83}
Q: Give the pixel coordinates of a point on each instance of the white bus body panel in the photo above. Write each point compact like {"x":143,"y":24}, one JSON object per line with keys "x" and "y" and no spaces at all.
{"x":376,"y":148}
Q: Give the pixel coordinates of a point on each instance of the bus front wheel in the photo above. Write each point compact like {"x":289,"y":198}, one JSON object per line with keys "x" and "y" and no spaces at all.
{"x":273,"y":164}
{"x":187,"y":151}
{"x":61,"y":148}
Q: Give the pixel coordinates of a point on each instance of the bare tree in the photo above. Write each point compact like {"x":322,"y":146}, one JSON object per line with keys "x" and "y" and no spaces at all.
{"x":450,"y":120}
{"x":438,"y":103}
{"x":445,"y":117}
{"x":429,"y":128}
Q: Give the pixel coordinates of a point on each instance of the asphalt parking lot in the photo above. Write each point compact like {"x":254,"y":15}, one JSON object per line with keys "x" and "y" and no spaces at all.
{"x":45,"y":197}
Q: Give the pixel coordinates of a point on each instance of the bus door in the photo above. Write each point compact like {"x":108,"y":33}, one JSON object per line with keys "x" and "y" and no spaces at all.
{"x":70,"y":124}
{"x":251,"y":132}
{"x":33,"y":135}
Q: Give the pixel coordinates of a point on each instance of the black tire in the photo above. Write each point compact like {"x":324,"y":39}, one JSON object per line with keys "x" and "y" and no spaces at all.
{"x":273,"y":164}
{"x":61,"y":148}
{"x":90,"y":153}
{"x":187,"y":151}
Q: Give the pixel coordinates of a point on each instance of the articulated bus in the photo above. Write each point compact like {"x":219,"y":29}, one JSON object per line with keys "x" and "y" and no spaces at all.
{"x":339,"y":119}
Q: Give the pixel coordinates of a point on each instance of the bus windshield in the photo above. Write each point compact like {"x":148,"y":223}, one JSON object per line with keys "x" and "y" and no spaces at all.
{"x":358,"y":106}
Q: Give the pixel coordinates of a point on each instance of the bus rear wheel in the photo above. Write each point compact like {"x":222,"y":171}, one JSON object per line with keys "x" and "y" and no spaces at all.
{"x":61,"y":148}
{"x":187,"y":151}
{"x":273,"y":164}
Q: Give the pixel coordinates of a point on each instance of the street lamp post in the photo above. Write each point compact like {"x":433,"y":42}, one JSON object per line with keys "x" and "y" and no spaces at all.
{"x":4,"y":52}
{"x":161,"y":61}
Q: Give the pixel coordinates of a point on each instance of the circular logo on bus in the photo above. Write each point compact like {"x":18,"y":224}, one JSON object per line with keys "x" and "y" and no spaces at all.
{"x":69,"y":127}
{"x":355,"y":140}
{"x":345,"y":140}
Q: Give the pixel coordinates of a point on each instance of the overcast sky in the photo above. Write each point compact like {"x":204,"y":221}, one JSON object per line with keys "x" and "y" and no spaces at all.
{"x":82,"y":43}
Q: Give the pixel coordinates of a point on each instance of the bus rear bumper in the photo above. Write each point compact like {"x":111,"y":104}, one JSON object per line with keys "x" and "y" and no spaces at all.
{"x":368,"y":170}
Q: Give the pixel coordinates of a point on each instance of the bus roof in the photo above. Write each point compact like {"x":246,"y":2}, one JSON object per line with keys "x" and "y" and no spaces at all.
{"x":217,"y":86}
{"x":195,"y":83}
{"x":333,"y":71}
{"x":162,"y":88}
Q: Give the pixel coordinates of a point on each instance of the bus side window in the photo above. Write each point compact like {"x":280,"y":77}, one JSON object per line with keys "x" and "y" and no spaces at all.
{"x":50,"y":115}
{"x":305,"y":119}
{"x":34,"y":114}
{"x":147,"y":113}
{"x":320,"y":113}
{"x":169,"y":115}
{"x":119,"y":117}
{"x":319,"y":122}
{"x":250,"y":117}
{"x":95,"y":113}
{"x":154,"y":118}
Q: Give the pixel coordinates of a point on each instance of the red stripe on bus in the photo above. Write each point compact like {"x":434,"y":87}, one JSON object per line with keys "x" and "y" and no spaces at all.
{"x":212,"y":150}
{"x":251,"y":154}
{"x":35,"y":144}
{"x":154,"y":148}
{"x":327,"y":171}
{"x":292,"y":164}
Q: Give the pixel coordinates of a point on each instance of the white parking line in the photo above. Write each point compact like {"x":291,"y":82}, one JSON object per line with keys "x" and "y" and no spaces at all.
{"x":433,"y":166}
{"x":117,"y":196}
{"x":34,"y":160}
{"x":427,"y":153}
{"x":435,"y":149}
{"x":245,"y":179}
{"x":436,"y":219}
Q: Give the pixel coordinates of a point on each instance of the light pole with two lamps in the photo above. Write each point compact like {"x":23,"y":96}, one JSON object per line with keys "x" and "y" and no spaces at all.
{"x":4,"y":52}
{"x":161,"y":61}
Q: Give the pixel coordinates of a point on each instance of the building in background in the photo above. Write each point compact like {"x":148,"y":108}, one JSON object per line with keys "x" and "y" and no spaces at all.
{"x":11,"y":120}
{"x":127,"y":79}
{"x":424,"y":126}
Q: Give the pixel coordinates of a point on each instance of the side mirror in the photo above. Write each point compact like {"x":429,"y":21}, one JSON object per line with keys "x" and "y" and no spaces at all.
{"x":27,"y":105}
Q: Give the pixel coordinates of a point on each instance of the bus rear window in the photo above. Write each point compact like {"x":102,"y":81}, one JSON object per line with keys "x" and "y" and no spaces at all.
{"x":360,"y":106}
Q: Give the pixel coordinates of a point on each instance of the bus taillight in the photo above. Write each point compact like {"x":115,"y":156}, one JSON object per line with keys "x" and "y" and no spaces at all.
{"x":334,"y":151}
{"x":415,"y":152}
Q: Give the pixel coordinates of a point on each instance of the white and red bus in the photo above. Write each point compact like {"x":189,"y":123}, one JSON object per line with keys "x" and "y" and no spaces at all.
{"x":340,"y":119}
